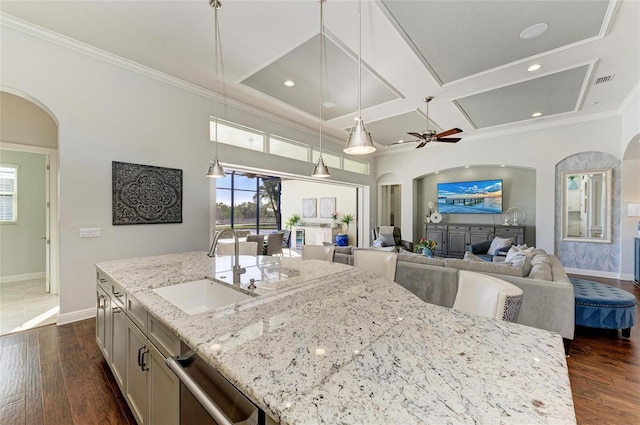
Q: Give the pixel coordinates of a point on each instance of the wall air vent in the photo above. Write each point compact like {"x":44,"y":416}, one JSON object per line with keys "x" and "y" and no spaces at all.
{"x":605,"y":79}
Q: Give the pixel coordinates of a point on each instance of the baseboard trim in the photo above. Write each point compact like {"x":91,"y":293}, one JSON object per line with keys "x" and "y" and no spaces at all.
{"x":22,"y":277}
{"x":75,"y":316}
{"x":596,"y":273}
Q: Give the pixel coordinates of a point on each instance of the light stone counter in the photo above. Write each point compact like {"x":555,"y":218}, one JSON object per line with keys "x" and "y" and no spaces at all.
{"x":338,"y":345}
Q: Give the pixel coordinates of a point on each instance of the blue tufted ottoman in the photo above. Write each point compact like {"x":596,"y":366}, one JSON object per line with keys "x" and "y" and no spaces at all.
{"x":603,"y":306}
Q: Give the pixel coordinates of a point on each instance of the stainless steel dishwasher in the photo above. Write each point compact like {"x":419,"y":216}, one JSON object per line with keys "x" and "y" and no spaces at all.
{"x":206,"y":397}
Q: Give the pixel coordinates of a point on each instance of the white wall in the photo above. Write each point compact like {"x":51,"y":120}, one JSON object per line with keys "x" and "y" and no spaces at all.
{"x":106,"y":113}
{"x":293,"y":191}
{"x":22,"y":251}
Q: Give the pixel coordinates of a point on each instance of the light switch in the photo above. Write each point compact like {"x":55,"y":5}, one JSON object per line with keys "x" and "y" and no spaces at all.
{"x":90,"y":232}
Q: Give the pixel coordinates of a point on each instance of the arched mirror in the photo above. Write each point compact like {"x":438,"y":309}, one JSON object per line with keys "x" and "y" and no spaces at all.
{"x":586,"y":206}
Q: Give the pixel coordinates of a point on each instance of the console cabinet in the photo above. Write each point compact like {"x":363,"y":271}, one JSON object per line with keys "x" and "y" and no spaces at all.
{"x":453,"y":238}
{"x":314,"y":235}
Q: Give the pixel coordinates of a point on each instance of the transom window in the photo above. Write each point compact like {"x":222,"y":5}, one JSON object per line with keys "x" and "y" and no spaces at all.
{"x":8,"y":193}
{"x":248,"y":138}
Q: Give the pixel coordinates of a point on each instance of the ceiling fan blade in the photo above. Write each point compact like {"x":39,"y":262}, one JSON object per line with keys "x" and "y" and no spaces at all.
{"x":449,"y":140}
{"x":424,"y":142}
{"x":405,"y":142}
{"x":449,"y":132}
{"x":418,"y":135}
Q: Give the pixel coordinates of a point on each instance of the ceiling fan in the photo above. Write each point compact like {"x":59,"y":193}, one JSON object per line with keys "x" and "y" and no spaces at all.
{"x":431,"y":135}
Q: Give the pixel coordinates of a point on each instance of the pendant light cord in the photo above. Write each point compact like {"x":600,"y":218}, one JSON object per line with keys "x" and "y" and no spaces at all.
{"x":216,"y":41}
{"x":360,"y":59}
{"x":321,"y":66}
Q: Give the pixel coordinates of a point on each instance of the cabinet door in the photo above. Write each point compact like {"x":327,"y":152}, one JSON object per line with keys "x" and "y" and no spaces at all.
{"x":480,"y":234}
{"x":515,"y":232}
{"x":457,"y":243}
{"x":437,"y":234}
{"x":164,"y":390}
{"x":136,"y":382}
{"x":103,"y":323}
{"x":119,"y":345}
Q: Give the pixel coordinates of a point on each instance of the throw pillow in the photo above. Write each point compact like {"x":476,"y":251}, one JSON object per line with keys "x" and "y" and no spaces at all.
{"x":388,"y":239}
{"x":518,"y":251}
{"x":471,"y":257}
{"x":379,"y":243}
{"x":498,"y":243}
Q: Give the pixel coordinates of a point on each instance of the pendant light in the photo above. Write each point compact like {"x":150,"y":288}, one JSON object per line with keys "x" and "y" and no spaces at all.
{"x":215,"y":169}
{"x":359,"y":141}
{"x":320,"y":169}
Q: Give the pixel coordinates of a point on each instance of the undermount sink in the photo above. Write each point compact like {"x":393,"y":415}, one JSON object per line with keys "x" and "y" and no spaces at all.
{"x":200,"y":296}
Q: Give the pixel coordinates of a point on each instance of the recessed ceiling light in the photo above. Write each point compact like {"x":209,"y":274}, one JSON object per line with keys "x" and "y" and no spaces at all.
{"x":289,"y":83}
{"x":536,"y":114}
{"x":436,"y":172}
{"x":534,"y":67}
{"x":594,"y":103}
{"x":502,"y":165}
{"x":400,"y":141}
{"x":466,"y":166}
{"x":329,"y":104}
{"x":534,"y":30}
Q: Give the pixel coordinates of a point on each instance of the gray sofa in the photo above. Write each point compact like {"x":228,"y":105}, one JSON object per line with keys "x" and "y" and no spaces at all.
{"x":548,"y":299}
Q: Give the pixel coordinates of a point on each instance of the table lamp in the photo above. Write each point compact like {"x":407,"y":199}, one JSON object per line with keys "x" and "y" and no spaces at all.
{"x":634,"y":211}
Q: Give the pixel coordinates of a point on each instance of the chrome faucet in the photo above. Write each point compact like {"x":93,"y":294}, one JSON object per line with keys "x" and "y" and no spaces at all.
{"x":237,"y":270}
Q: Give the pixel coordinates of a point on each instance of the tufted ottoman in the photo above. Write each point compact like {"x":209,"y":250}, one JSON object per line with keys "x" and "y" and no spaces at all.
{"x":603,"y":306}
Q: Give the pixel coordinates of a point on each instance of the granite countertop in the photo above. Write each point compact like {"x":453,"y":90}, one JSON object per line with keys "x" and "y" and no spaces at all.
{"x":335,"y":344}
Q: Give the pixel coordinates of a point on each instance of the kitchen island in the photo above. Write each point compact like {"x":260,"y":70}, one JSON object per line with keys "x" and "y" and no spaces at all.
{"x":326,"y":343}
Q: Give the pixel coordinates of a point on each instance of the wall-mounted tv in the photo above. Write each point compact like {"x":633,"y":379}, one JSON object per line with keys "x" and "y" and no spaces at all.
{"x":472,"y":197}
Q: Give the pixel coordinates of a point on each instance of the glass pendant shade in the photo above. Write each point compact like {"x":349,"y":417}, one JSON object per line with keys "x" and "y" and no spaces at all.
{"x":215,"y":170}
{"x":320,"y":169}
{"x":359,"y":141}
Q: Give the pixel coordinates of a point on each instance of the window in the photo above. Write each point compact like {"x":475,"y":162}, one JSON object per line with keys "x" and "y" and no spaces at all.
{"x":288,"y":148}
{"x":8,"y":193}
{"x":248,"y":138}
{"x":236,"y":136}
{"x":248,"y":202}
{"x":330,"y":159}
{"x":355,"y":166}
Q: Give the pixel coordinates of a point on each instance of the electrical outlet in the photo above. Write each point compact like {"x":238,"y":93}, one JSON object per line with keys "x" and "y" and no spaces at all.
{"x":90,"y":232}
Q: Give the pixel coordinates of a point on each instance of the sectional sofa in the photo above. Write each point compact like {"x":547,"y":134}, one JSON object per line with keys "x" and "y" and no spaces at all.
{"x":548,"y":301}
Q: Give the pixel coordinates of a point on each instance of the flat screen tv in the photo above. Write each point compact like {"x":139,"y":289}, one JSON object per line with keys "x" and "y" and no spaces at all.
{"x":471,"y":197}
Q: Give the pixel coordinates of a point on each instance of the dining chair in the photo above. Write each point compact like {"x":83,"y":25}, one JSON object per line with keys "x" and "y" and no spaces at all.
{"x":487,"y":296}
{"x":382,"y":263}
{"x":274,"y":243}
{"x":317,"y":252}
{"x":246,"y":248}
{"x":286,"y":240}
{"x":259,"y":239}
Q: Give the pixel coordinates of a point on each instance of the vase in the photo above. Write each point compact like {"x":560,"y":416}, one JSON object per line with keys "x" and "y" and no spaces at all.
{"x":342,"y":240}
{"x":427,"y":252}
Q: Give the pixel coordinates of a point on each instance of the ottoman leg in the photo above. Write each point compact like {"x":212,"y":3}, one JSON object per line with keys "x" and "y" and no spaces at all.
{"x":626,"y":333}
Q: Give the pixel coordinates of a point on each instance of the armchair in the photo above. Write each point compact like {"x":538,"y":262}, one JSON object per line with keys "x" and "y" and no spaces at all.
{"x":384,"y":232}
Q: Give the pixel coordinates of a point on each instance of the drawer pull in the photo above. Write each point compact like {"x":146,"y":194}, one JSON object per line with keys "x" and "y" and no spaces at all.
{"x":117,"y":294}
{"x":116,"y":309}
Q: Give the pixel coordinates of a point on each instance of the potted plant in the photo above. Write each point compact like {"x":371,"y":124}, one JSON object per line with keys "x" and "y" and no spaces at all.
{"x":347,"y":219}
{"x":426,"y":247}
{"x":292,"y":221}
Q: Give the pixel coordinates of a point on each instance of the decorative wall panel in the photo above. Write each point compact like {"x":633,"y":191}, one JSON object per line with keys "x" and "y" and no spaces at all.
{"x":144,"y":194}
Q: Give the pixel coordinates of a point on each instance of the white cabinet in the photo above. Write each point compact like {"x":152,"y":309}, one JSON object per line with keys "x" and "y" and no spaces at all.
{"x":314,"y":235}
{"x":153,"y":390}
{"x":136,"y":382}
{"x":126,"y":335}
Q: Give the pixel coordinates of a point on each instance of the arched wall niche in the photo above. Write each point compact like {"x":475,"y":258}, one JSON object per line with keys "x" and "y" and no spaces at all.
{"x":519,"y":190}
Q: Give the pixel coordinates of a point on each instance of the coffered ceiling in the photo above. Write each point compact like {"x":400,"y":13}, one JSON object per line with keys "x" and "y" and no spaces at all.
{"x":468,"y":54}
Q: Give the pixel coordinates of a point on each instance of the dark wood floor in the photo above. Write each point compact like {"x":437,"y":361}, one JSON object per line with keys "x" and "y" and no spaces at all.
{"x":57,"y":375}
